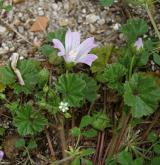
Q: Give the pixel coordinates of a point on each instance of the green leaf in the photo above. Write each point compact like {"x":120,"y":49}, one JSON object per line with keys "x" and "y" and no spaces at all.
{"x":85,"y":121}
{"x":76,"y":161}
{"x":124,"y":158}
{"x":155,"y":161}
{"x":29,"y":121}
{"x":134,"y":28}
{"x":75,"y":131}
{"x":7,"y":76}
{"x":100,"y":121}
{"x":20,"y":143}
{"x":32,"y":144}
{"x":2,"y":131}
{"x":143,"y":57}
{"x":57,"y":34}
{"x":156,"y":58}
{"x":87,"y":162}
{"x":51,"y":54}
{"x":89,"y":133}
{"x":7,"y":8}
{"x":103,"y":54}
{"x":87,"y":152}
{"x":90,"y":90}
{"x":43,"y":77}
{"x":71,"y":86}
{"x":30,"y":71}
{"x":152,"y":137}
{"x":106,"y":2}
{"x":142,"y":94}
{"x":156,"y":149}
{"x":138,"y":161}
{"x":114,"y":75}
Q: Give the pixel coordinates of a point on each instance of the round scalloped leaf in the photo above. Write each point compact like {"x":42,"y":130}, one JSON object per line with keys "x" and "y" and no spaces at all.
{"x":90,"y":91}
{"x":142,"y":94}
{"x":71,"y":86}
{"x":134,"y":28}
{"x":113,"y":75}
{"x":29,"y":121}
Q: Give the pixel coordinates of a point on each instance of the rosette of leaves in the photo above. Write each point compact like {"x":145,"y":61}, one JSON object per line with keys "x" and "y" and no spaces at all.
{"x":134,"y":28}
{"x":142,"y":94}
{"x":114,"y":76}
{"x":71,"y":86}
{"x":29,"y":121}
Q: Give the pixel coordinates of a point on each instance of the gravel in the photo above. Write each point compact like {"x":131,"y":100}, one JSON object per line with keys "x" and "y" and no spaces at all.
{"x":88,"y":17}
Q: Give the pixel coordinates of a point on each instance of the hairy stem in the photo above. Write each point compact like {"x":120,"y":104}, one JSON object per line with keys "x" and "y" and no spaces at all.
{"x":152,"y":21}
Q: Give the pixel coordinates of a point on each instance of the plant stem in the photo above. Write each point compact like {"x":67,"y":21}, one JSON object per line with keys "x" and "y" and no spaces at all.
{"x":50,"y":145}
{"x":63,"y":160}
{"x":62,"y":138}
{"x":30,"y":159}
{"x":152,"y":21}
{"x":131,"y":67}
{"x":78,"y":140}
{"x":156,"y":117}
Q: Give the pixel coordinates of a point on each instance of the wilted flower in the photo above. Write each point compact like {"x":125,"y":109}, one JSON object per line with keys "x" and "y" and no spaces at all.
{"x":74,"y":51}
{"x":139,"y":43}
{"x":1,"y":155}
{"x":63,"y":106}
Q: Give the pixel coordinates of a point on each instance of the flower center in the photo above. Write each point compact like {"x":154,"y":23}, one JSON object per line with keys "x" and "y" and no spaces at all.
{"x":73,"y":54}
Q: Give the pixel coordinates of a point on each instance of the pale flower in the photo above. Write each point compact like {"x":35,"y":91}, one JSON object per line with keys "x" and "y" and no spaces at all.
{"x":1,"y":155}
{"x":74,"y":51}
{"x":63,"y":106}
{"x":139,"y":44}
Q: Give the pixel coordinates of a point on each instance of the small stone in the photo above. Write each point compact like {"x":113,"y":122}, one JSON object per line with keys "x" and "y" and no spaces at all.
{"x":116,"y":26}
{"x":66,"y":6}
{"x":101,"y":21}
{"x":83,"y":11}
{"x":41,"y":13}
{"x":20,"y":15}
{"x":92,"y":28}
{"x":54,"y":6}
{"x":21,"y":29}
{"x":92,"y":18}
{"x":64,"y":22}
{"x":3,"y":51}
{"x":2,"y":29}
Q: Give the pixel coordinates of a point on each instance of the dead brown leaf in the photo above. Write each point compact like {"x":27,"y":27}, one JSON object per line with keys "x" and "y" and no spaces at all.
{"x":18,"y":1}
{"x":9,"y":146}
{"x":40,"y":24}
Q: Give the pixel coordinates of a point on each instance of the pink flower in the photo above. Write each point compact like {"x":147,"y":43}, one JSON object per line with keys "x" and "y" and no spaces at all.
{"x":74,"y":51}
{"x":1,"y":155}
{"x":139,"y":43}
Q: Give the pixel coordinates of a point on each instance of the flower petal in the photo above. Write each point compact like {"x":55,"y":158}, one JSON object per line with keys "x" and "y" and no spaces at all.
{"x":86,"y":46}
{"x":139,"y":43}
{"x":58,"y":45}
{"x":87,"y":59}
{"x":72,"y":40}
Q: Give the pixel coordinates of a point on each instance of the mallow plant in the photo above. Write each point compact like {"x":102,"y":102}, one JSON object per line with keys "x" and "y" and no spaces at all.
{"x":99,"y":108}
